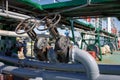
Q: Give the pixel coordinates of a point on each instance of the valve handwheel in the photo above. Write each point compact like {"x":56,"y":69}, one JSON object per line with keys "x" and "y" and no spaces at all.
{"x":26,"y":25}
{"x":49,"y":21}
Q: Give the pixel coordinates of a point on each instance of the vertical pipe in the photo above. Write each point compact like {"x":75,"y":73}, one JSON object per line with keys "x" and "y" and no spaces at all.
{"x":88,"y":62}
{"x":82,"y":40}
{"x":72,"y":29}
{"x":99,"y":46}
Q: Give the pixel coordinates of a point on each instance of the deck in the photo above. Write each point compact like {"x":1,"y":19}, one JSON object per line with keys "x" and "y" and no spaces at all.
{"x":113,"y":59}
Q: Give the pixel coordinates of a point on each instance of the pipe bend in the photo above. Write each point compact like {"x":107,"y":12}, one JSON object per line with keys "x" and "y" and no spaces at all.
{"x":88,"y":62}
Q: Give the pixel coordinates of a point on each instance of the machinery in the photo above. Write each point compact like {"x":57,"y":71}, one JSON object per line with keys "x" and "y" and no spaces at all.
{"x":52,"y":64}
{"x":42,"y":45}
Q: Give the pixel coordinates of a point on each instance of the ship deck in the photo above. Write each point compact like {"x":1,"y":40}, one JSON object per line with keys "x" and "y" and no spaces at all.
{"x":112,"y":59}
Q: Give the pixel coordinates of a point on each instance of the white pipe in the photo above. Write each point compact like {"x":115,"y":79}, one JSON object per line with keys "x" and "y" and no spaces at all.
{"x":14,"y":13}
{"x":12,"y":34}
{"x":88,"y":62}
{"x":11,"y":16}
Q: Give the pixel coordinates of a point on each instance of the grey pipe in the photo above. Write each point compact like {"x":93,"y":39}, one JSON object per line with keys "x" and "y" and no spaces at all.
{"x":88,"y":61}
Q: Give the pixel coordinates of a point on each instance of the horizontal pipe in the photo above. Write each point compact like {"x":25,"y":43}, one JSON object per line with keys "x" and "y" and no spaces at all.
{"x":108,"y":77}
{"x":12,"y":34}
{"x":41,"y":74}
{"x":104,"y":69}
{"x":17,"y":71}
{"x":13,"y":15}
{"x":50,"y":75}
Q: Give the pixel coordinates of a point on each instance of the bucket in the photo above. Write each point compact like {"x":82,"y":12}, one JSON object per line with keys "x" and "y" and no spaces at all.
{"x":92,"y":53}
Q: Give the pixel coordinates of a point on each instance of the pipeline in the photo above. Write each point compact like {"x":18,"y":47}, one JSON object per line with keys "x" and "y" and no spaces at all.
{"x":88,"y":62}
{"x":49,"y":75}
{"x":14,"y":15}
{"x":104,"y":69}
{"x":58,"y":75}
{"x":11,"y":33}
{"x":41,"y":74}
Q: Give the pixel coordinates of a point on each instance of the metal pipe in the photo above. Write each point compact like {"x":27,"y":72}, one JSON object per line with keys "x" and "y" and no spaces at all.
{"x":13,"y":15}
{"x":50,"y":75}
{"x":104,"y":69}
{"x":108,"y":77}
{"x":11,"y":33}
{"x":88,"y":62}
{"x":18,"y":71}
{"x":41,"y":74}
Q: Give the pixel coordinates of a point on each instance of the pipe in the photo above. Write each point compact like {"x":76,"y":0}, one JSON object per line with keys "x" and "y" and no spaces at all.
{"x":88,"y":62}
{"x":13,"y":15}
{"x":108,"y":77}
{"x":104,"y":69}
{"x":40,"y":74}
{"x":50,"y":75}
{"x":26,"y":73}
{"x":11,"y":33}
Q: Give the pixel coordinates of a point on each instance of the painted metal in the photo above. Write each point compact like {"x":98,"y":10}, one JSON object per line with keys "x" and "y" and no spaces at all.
{"x":14,"y":15}
{"x":88,"y":62}
{"x":11,"y":34}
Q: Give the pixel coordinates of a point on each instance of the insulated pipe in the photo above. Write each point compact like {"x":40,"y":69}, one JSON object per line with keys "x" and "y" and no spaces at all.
{"x":88,"y":62}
